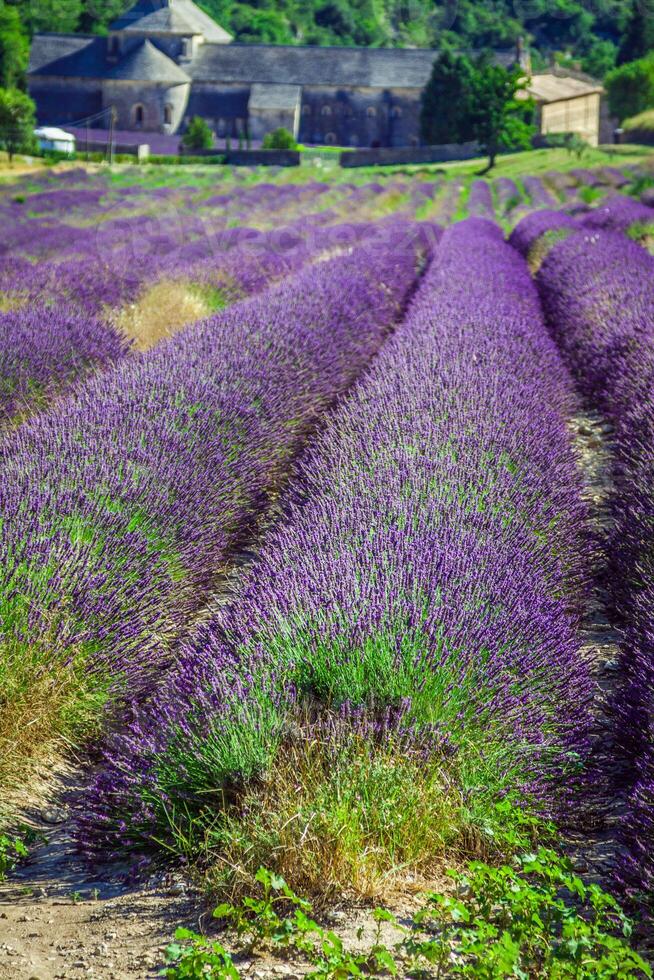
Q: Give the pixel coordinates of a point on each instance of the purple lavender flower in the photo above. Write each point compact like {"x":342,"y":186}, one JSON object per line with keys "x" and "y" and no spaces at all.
{"x":598,"y":292}
{"x":428,"y":572}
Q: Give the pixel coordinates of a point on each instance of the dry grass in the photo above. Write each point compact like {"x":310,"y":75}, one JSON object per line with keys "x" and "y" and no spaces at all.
{"x":12,"y":301}
{"x":165,"y":308}
{"x":47,"y":699}
{"x":543,"y":246}
{"x":358,"y":820}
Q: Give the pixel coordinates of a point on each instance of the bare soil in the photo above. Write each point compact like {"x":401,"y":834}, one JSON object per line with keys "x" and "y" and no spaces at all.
{"x":593,"y":839}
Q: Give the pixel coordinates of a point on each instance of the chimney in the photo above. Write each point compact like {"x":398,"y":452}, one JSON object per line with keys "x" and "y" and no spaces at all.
{"x":523,"y":56}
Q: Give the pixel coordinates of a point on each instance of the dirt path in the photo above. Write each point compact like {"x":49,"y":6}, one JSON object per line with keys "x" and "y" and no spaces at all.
{"x":61,"y":918}
{"x":594,"y":839}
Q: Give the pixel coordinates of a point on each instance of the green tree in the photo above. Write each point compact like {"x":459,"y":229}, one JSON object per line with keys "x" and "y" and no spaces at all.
{"x":198,"y":135}
{"x":279,"y":139}
{"x":98,"y":14}
{"x":17,"y":121}
{"x":638,"y":38}
{"x":445,"y":115}
{"x":502,"y":114}
{"x":249,"y":24}
{"x":50,"y":15}
{"x":14,"y":47}
{"x":631,"y":88}
{"x":599,"y":59}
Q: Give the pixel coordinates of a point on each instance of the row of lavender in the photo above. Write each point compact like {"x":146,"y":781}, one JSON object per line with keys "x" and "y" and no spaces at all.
{"x":426,"y":581}
{"x":617,"y":213}
{"x":122,"y":503}
{"x":598,"y":292}
{"x":60,"y":329}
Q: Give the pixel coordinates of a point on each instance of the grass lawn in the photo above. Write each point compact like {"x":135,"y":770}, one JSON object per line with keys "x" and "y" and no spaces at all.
{"x":532,"y":162}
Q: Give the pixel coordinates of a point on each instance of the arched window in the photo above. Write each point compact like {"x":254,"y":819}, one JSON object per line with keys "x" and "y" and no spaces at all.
{"x":168,"y":114}
{"x":187,"y":47}
{"x":306,"y":109}
{"x":354,"y":140}
{"x":396,"y":111}
{"x":138,"y":114}
{"x":326,"y":110}
{"x":330,"y":138}
{"x":371,"y":112}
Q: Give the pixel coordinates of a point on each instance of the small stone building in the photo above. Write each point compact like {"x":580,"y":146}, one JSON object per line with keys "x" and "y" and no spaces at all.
{"x":567,"y":104}
{"x":165,"y":61}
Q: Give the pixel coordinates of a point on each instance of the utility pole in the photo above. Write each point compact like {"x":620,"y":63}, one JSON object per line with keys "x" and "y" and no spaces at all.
{"x":112,"y":122}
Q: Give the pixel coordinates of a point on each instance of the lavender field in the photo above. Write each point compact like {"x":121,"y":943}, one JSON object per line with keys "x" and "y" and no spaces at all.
{"x":327,"y":548}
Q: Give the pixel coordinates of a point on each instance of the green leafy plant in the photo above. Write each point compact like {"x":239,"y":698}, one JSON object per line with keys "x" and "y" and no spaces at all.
{"x":197,"y":959}
{"x":259,"y":919}
{"x":534,"y":918}
{"x":198,"y":135}
{"x":13,"y":850}
{"x":279,"y":139}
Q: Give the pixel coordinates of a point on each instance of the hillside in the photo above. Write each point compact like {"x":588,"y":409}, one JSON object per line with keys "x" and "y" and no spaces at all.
{"x":587,"y":30}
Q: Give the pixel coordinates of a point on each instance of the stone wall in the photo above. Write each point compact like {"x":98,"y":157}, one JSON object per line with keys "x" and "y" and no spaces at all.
{"x":224,"y":106}
{"x":263,"y":158}
{"x":58,"y":101}
{"x":364,"y":117}
{"x":146,"y":106}
{"x":262,"y":121}
{"x":579,"y":115}
{"x":409,"y":155}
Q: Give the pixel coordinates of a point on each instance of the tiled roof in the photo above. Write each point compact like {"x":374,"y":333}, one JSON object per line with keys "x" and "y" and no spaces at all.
{"x":274,"y":96}
{"x":287,"y":65}
{"x":557,"y":88}
{"x":73,"y":55}
{"x":171,"y":17}
{"x":333,"y":67}
{"x":147,"y":64}
{"x":77,"y":56}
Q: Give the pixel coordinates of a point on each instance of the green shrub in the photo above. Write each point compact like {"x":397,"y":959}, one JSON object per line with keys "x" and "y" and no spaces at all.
{"x":631,"y":88}
{"x":198,"y":135}
{"x":641,"y":126}
{"x":17,"y":121}
{"x":279,"y":139}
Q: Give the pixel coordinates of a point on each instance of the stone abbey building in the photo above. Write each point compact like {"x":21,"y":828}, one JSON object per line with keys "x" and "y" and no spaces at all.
{"x":165,"y":61}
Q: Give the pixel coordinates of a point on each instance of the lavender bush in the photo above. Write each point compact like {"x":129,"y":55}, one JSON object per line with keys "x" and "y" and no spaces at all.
{"x":121,"y":505}
{"x":621,"y":213}
{"x":598,"y":291}
{"x":426,"y":580}
{"x":553,"y":224}
{"x":44,"y":350}
{"x":480,"y":200}
{"x":538,"y":193}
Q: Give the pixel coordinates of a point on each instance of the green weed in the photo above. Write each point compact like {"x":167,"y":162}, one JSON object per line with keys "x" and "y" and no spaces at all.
{"x":531,"y":920}
{"x":13,"y":850}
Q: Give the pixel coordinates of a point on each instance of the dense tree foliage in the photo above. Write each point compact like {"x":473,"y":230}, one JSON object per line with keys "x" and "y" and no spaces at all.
{"x":447,"y":101}
{"x":631,"y":87}
{"x":478,"y":100}
{"x":17,"y":121}
{"x":14,"y":47}
{"x":591,"y":31}
{"x":638,"y":37}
